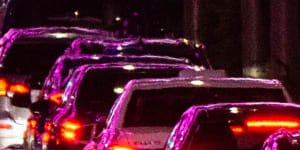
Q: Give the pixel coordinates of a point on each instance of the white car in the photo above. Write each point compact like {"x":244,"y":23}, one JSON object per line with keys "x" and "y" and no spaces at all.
{"x":145,"y":113}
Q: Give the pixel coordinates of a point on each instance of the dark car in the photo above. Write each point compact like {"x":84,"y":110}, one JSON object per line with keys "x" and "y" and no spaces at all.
{"x":283,"y":139}
{"x":26,"y":56}
{"x":192,"y":51}
{"x":61,"y":72}
{"x":94,"y":88}
{"x":232,"y":126}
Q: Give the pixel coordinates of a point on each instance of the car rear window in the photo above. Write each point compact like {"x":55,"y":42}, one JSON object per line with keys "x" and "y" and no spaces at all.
{"x":163,"y":107}
{"x":99,"y":88}
{"x":32,"y":57}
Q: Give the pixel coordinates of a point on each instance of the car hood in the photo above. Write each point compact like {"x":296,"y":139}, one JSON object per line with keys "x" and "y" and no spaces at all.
{"x":143,"y":137}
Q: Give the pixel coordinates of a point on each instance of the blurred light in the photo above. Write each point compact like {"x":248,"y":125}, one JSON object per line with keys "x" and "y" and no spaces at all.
{"x":128,"y":67}
{"x":272,"y":123}
{"x":76,"y":13}
{"x":119,"y":48}
{"x":186,"y":41}
{"x":19,"y":88}
{"x":56,"y":98}
{"x":95,"y":57}
{"x":70,"y":135}
{"x":197,"y":45}
{"x":118,"y":90}
{"x":254,"y":71}
{"x":237,"y":129}
{"x":46,"y":137}
{"x":118,"y":18}
{"x":199,"y":68}
{"x":59,"y":35}
{"x":234,"y":110}
{"x":71,"y":125}
{"x":5,"y":126}
{"x":197,"y":82}
{"x":120,"y":148}
{"x":3,"y":86}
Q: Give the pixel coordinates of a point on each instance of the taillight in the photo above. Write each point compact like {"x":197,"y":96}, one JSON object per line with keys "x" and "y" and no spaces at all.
{"x":19,"y":88}
{"x":16,"y":88}
{"x":48,"y":126}
{"x":5,"y":126}
{"x":46,"y":137}
{"x":32,"y":123}
{"x":3,"y":87}
{"x":237,"y":129}
{"x":272,"y":124}
{"x":70,"y":130}
{"x":120,"y":148}
{"x":56,"y":98}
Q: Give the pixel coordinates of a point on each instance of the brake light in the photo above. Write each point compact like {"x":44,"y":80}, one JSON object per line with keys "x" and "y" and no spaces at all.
{"x":5,"y":126}
{"x":19,"y":88}
{"x":48,"y":126}
{"x":237,"y":129}
{"x":70,"y":130}
{"x":56,"y":98}
{"x":3,"y":87}
{"x":46,"y":137}
{"x":120,"y":148}
{"x":32,"y":123}
{"x":272,"y":124}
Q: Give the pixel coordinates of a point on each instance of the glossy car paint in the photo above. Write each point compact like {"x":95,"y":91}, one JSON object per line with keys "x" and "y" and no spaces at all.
{"x":183,"y":131}
{"x":116,"y":134}
{"x":14,"y":136}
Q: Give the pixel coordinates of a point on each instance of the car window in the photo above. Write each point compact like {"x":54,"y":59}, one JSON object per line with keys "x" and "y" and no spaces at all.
{"x":32,"y":57}
{"x":99,"y":88}
{"x":163,"y":107}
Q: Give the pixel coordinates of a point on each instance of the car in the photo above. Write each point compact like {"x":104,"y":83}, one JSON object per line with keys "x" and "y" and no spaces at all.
{"x":283,"y":139}
{"x":26,"y":55}
{"x":89,"y":94}
{"x":232,"y":126}
{"x":61,"y":72}
{"x":143,"y":115}
{"x":192,"y":51}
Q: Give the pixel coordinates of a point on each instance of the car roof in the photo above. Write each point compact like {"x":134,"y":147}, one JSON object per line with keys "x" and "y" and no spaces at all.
{"x":229,"y":82}
{"x":180,"y":48}
{"x":242,"y":105}
{"x":55,"y":32}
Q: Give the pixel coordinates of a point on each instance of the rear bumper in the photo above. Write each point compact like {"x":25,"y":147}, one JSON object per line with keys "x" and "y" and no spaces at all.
{"x":12,"y":136}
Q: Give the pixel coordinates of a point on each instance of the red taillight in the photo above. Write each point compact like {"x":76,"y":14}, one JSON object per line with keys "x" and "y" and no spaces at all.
{"x":3,"y":87}
{"x":5,"y":126}
{"x":19,"y":88}
{"x":272,"y":124}
{"x":56,"y":98}
{"x":120,"y":148}
{"x":237,"y":129}
{"x":48,"y":126}
{"x":32,"y":123}
{"x":70,"y":130}
{"x":46,"y":137}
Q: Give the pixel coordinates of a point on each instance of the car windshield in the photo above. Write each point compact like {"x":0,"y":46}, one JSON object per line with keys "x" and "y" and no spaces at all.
{"x":99,"y":88}
{"x":136,"y":16}
{"x":163,"y":107}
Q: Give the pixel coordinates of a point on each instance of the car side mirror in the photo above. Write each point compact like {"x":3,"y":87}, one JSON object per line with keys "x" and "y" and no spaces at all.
{"x":21,"y":100}
{"x":40,"y":107}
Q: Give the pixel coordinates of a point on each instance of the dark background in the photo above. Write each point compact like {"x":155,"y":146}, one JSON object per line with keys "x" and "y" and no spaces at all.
{"x":251,"y":38}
